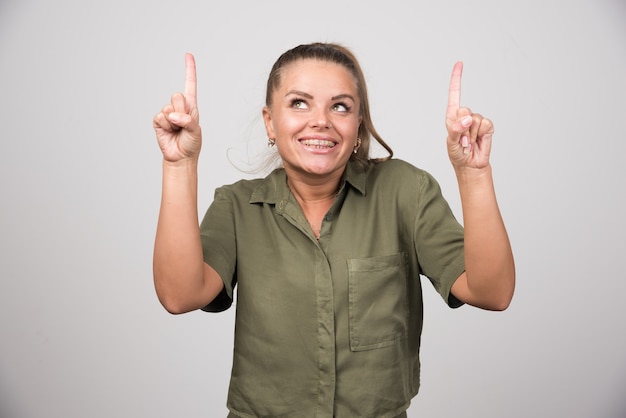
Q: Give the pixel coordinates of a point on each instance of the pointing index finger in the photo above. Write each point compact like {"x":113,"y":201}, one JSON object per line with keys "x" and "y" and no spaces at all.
{"x":454,"y":94}
{"x":190,"y":80}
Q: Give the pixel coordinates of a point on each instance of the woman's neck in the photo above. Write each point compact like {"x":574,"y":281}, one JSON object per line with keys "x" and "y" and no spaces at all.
{"x":315,"y":198}
{"x":309,"y":192}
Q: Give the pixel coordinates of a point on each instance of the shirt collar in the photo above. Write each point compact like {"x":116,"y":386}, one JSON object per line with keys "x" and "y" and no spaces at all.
{"x":273,"y":188}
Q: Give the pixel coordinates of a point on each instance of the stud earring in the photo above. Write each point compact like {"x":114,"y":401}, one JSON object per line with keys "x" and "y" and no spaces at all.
{"x":271,"y":142}
{"x":357,"y":145}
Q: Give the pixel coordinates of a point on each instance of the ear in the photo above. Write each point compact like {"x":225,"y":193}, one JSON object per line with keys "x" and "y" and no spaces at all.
{"x":267,"y":119}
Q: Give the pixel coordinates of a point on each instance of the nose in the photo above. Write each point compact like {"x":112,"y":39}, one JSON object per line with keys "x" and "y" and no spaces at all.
{"x":320,"y":120}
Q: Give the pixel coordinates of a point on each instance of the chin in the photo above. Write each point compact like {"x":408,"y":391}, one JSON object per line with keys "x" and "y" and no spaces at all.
{"x":319,"y":169}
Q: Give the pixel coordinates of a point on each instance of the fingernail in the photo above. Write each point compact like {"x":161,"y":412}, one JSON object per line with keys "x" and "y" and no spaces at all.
{"x":464,"y":141}
{"x":466,"y":121}
{"x":173,"y":117}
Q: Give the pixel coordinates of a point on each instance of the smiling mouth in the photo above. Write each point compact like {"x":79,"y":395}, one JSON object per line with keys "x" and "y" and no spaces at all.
{"x":318,"y":143}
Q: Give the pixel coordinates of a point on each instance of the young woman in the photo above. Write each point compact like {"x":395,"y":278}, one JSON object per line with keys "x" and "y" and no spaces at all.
{"x":327,"y":251}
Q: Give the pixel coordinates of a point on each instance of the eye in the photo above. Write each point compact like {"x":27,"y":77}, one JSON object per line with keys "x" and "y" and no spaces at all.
{"x":298,"y":104}
{"x":341,"y":107}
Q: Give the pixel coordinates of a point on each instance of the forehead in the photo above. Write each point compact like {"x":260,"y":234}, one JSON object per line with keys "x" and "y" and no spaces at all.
{"x":317,"y":74}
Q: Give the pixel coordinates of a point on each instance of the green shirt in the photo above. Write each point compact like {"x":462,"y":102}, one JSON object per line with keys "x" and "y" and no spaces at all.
{"x":330,"y":327}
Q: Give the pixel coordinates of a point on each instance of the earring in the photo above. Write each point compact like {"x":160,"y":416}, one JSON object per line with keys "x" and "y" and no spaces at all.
{"x":357,"y":145}
{"x":271,"y":142}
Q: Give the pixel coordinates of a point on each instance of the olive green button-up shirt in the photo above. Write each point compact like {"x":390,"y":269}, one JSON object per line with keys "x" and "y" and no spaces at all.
{"x":330,"y":327}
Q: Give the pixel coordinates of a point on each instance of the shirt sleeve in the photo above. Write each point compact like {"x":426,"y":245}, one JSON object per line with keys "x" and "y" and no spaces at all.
{"x":219,"y":245}
{"x":439,"y":240}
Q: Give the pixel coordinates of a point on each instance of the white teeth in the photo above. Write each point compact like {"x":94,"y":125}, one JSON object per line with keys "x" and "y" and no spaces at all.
{"x":319,"y":143}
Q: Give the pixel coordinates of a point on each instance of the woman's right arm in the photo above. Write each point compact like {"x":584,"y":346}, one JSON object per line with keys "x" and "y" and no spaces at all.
{"x":183,"y":281}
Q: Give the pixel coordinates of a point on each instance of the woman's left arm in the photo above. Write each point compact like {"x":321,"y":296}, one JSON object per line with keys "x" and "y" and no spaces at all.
{"x":489,"y":278}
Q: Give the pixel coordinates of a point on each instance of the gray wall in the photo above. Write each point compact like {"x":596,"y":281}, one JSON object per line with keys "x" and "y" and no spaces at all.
{"x":82,"y":333}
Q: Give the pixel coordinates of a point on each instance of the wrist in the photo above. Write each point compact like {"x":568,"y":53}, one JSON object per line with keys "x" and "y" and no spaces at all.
{"x":181,"y":170}
{"x":473,"y":175}
{"x":181,"y":165}
{"x":475,"y":182}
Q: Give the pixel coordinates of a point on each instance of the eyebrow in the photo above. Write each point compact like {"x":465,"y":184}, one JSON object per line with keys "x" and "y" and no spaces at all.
{"x":309,"y":96}
{"x":343,"y":96}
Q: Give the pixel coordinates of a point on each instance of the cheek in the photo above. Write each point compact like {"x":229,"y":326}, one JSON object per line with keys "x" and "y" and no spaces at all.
{"x":350,"y":128}
{"x":287,"y":125}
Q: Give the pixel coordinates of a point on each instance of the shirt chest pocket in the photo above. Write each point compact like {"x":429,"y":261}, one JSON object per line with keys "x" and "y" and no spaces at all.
{"x":377,"y":296}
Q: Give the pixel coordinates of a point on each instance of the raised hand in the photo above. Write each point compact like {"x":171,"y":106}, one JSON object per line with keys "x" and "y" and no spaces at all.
{"x":469,"y":134}
{"x":177,"y":125}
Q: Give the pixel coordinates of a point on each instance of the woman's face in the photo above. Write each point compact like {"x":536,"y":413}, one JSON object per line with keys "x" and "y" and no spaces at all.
{"x":314,"y":118}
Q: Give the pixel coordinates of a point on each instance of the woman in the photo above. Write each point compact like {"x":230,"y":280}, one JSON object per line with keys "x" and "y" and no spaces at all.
{"x":327,"y":251}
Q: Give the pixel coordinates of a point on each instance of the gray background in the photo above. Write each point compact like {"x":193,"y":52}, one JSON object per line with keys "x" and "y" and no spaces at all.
{"x":82,"y":333}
